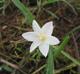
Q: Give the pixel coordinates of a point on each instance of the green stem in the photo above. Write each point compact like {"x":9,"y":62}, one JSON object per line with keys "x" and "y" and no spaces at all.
{"x":50,"y":62}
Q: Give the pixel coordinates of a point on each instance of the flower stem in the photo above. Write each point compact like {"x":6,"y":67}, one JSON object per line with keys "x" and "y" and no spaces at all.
{"x":50,"y":62}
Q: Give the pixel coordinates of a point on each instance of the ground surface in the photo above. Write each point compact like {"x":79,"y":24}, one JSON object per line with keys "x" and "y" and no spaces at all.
{"x":14,"y":48}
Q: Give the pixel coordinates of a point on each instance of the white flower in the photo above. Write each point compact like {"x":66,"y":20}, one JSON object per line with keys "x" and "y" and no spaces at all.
{"x":41,"y":37}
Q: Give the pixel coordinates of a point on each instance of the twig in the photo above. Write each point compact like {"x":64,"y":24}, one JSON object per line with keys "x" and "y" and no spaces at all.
{"x":35,"y":72}
{"x":66,"y":68}
{"x":72,"y":65}
{"x":12,"y":65}
{"x":76,"y":50}
{"x":76,"y":46}
{"x":73,"y":30}
{"x":8,"y":63}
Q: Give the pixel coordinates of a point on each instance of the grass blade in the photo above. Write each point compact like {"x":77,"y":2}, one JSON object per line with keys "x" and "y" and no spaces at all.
{"x":25,"y":11}
{"x":51,"y":1}
{"x":58,"y":49}
{"x":71,"y":58}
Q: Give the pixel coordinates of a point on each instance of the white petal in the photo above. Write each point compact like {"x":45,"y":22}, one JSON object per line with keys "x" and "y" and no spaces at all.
{"x":34,"y":45}
{"x":44,"y":49}
{"x":30,"y":36}
{"x":48,"y":28}
{"x":52,"y":40}
{"x":35,"y":26}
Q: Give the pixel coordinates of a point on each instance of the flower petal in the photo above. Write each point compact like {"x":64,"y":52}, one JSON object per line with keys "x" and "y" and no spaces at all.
{"x":52,"y":40}
{"x":44,"y":49}
{"x":35,"y":26}
{"x":34,"y":45}
{"x":30,"y":36}
{"x":48,"y":28}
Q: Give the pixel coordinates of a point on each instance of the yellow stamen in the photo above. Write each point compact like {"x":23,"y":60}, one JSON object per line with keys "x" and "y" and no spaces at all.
{"x":42,"y":37}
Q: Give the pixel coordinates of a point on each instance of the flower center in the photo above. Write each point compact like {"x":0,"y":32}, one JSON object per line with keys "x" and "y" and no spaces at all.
{"x":42,"y":37}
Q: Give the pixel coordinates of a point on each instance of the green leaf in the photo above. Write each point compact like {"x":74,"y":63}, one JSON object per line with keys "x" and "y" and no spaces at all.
{"x":71,"y":58}
{"x":7,"y":68}
{"x":25,"y":10}
{"x":57,"y":50}
{"x":50,"y":62}
{"x":1,"y":1}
